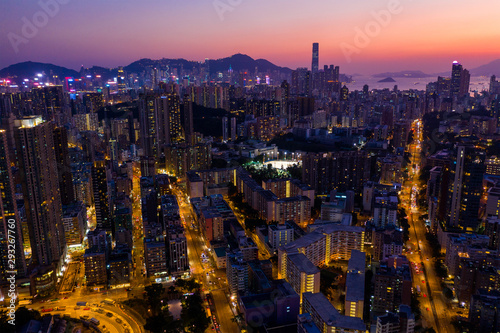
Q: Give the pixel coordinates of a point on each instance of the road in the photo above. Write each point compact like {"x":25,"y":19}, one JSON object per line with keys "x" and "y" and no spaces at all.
{"x":133,"y":323}
{"x":205,"y":272}
{"x":435,"y":312}
{"x":138,"y":279}
{"x":263,"y":252}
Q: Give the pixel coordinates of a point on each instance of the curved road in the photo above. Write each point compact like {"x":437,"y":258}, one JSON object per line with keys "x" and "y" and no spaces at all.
{"x":128,"y":320}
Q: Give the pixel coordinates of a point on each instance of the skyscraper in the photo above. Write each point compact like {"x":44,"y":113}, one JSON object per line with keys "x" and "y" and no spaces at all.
{"x":120,"y":79}
{"x":315,"y":58}
{"x":168,"y":113}
{"x":225,"y":129}
{"x":35,"y":145}
{"x":233,"y":129}
{"x":100,"y":192}
{"x":63,"y":166}
{"x":188,"y":120}
{"x":460,"y":80}
{"x":466,"y":189}
{"x":456,"y":73}
{"x":147,"y":120}
{"x":10,"y":223}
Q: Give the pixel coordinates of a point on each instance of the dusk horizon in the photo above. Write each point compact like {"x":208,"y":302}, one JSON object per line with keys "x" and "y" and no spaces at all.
{"x":398,"y":34}
{"x":443,"y":67}
{"x":225,"y":166}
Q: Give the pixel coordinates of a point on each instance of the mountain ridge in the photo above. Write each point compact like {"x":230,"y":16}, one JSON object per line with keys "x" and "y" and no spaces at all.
{"x":238,"y":62}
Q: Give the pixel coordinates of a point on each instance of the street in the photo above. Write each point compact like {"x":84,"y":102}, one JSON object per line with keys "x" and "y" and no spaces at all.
{"x":434,"y":308}
{"x":211,"y":279}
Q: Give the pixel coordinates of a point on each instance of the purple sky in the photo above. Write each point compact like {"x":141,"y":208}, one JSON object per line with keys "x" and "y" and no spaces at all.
{"x":408,"y":34}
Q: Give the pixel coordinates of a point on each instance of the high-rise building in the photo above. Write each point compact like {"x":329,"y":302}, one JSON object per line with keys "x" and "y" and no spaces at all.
{"x":177,"y":250}
{"x":484,"y":311}
{"x":120,"y":79}
{"x":401,"y":322}
{"x":100,"y":193}
{"x":456,"y":74}
{"x":392,"y":284}
{"x":63,"y":166}
{"x":47,"y":101}
{"x":168,"y":120}
{"x":279,"y":235}
{"x":237,"y":272}
{"x":315,"y":58}
{"x":225,"y":129}
{"x":95,"y":267}
{"x":93,"y":102}
{"x":10,"y":222}
{"x":325,"y":316}
{"x":466,"y":189}
{"x":324,"y":244}
{"x":35,"y":145}
{"x":155,"y":256}
{"x":170,"y":211}
{"x":301,"y":273}
{"x":341,"y":170}
{"x":188,"y":121}
{"x":148,"y":126}
{"x":75,"y":222}
{"x":355,"y":285}
{"x":233,"y":129}
{"x":460,"y":80}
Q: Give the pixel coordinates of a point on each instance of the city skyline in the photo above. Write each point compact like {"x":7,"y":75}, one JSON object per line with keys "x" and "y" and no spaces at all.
{"x":223,"y":166}
{"x":398,"y":35}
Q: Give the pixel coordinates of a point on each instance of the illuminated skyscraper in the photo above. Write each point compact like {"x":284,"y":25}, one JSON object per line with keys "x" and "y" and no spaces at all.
{"x":188,"y":120}
{"x":10,"y":223}
{"x":120,"y":79}
{"x":100,"y":192}
{"x":168,"y":121}
{"x":147,"y":120}
{"x":315,"y":58}
{"x":466,"y":189}
{"x":460,"y":80}
{"x":42,"y":199}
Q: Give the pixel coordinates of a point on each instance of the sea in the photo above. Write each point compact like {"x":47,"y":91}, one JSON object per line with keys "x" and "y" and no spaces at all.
{"x":477,"y":83}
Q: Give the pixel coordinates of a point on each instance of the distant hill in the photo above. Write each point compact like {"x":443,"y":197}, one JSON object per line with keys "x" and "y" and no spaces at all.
{"x":492,"y":68}
{"x":242,"y":62}
{"x":142,"y":64}
{"x":238,"y":62}
{"x":28,"y":69}
{"x":413,"y":74}
{"x":387,"y":79}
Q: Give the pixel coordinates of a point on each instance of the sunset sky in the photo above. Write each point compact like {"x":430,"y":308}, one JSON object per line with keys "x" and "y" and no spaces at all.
{"x":423,"y":35}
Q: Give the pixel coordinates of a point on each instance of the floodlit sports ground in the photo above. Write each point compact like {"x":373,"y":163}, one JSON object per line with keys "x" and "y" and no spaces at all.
{"x":281,"y":164}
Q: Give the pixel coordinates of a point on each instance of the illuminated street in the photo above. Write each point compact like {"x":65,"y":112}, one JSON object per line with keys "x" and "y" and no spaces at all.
{"x":128,"y":319}
{"x":211,"y":279}
{"x":434,"y":309}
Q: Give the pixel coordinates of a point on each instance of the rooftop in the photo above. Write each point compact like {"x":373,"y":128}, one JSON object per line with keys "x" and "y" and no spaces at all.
{"x":330,"y":315}
{"x":357,"y":262}
{"x":307,"y":323}
{"x":355,"y":287}
{"x":303,"y":264}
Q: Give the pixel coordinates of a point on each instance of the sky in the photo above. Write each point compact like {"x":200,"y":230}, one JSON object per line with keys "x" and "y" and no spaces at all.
{"x":361,"y":36}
